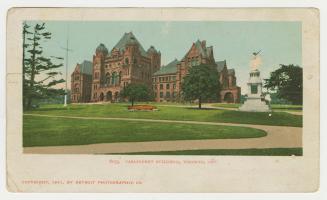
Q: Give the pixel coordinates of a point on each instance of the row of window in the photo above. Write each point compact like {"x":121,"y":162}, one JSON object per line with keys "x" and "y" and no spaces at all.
{"x":164,"y":79}
{"x":126,"y":61}
{"x":167,"y":86}
{"x":75,"y":98}
{"x":168,"y":95}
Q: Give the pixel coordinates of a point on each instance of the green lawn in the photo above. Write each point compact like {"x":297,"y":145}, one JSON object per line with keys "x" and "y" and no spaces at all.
{"x":52,"y":131}
{"x":234,"y":152}
{"x":173,"y":113}
{"x":275,"y":107}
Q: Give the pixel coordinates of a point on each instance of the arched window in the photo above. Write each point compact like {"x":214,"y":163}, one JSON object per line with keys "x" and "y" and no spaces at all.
{"x":126,"y":61}
{"x":76,"y":87}
{"x":107,"y":78}
{"x":119,"y":78}
{"x":96,"y":75}
{"x":114,"y":77}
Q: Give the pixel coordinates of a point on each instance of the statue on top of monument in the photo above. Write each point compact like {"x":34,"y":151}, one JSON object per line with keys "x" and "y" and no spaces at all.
{"x":255,"y":61}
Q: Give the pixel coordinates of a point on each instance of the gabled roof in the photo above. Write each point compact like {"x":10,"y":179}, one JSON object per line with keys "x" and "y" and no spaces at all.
{"x":206,"y":52}
{"x":198,"y":46}
{"x":102,"y":48}
{"x":152,"y":49}
{"x":86,"y":67}
{"x":170,"y":68}
{"x":221,"y":65}
{"x":129,"y":38}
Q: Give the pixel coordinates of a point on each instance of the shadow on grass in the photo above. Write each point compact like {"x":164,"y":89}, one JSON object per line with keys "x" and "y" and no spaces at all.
{"x":287,"y":108}
{"x":196,"y":108}
{"x":56,"y":109}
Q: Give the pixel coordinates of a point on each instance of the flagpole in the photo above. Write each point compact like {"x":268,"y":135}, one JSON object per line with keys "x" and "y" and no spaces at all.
{"x":67,"y":49}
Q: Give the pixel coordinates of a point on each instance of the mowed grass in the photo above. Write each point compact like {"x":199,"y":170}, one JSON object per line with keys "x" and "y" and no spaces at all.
{"x":275,"y":107}
{"x":172,"y":113}
{"x":53,"y":131}
{"x":234,"y":152}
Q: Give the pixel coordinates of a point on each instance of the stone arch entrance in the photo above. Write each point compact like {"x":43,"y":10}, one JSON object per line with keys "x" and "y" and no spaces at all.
{"x":109,"y":96}
{"x":101,"y":96}
{"x":228,"y":97}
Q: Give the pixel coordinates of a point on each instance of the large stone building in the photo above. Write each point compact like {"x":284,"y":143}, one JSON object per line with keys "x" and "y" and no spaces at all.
{"x":167,"y":81}
{"x":81,"y":81}
{"x":128,"y":62}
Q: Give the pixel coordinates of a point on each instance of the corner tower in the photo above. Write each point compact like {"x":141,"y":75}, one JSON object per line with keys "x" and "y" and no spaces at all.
{"x":98,"y":66}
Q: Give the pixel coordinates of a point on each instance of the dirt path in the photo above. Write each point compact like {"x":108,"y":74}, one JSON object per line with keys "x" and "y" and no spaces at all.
{"x":277,"y":137}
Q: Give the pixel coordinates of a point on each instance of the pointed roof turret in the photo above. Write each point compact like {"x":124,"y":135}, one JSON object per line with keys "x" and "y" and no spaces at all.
{"x":128,"y":39}
{"x":152,"y":49}
{"x":102,"y":48}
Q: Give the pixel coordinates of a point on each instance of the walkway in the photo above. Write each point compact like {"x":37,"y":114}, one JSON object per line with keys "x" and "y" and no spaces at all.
{"x":277,"y":137}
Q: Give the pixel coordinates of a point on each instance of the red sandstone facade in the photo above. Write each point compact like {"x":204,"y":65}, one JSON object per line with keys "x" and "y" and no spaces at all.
{"x":230,"y":92}
{"x":81,"y":80}
{"x":127,"y":63}
{"x":166,"y":83}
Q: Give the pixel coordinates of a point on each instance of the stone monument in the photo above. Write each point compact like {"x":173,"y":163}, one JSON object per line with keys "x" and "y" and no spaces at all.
{"x":255,"y":101}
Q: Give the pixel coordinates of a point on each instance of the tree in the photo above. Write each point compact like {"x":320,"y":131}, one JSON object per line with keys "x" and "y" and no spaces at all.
{"x":287,"y":82}
{"x":137,"y":92}
{"x":201,"y":83}
{"x":39,"y":72}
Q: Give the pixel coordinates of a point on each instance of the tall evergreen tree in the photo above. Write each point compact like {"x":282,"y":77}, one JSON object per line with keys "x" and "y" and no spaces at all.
{"x":39,"y":72}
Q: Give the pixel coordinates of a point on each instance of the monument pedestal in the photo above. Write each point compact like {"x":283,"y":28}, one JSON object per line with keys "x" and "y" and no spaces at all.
{"x":254,"y":105}
{"x":253,"y":102}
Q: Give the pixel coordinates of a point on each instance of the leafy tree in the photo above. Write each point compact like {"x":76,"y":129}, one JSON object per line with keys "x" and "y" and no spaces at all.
{"x":39,"y":72}
{"x":287,"y":82}
{"x":137,"y":92}
{"x":201,"y":83}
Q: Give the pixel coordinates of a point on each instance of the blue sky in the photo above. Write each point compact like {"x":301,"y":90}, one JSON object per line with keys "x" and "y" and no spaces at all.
{"x":234,"y":42}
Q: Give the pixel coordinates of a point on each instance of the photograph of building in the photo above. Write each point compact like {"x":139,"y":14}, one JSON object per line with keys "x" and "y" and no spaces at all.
{"x":167,"y":81}
{"x":157,"y":85}
{"x":128,"y":63}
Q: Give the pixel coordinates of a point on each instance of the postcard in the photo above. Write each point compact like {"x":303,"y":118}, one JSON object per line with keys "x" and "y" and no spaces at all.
{"x":163,"y":100}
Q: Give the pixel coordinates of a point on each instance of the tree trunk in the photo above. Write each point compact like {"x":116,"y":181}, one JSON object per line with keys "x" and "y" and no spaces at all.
{"x":29,"y":99}
{"x":132,"y":102}
{"x":200,"y":103}
{"x":24,"y":99}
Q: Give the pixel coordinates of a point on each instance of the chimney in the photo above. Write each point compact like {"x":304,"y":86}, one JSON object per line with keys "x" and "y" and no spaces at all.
{"x":203,"y":43}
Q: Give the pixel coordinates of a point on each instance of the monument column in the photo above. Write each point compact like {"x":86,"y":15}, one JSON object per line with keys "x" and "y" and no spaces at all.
{"x":253,"y":102}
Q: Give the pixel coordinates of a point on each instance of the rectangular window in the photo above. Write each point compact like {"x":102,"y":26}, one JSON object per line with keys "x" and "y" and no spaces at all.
{"x":167,"y":86}
{"x":167,"y":94}
{"x":174,"y":86}
{"x":254,"y":89}
{"x":161,"y":94}
{"x":161,"y":86}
